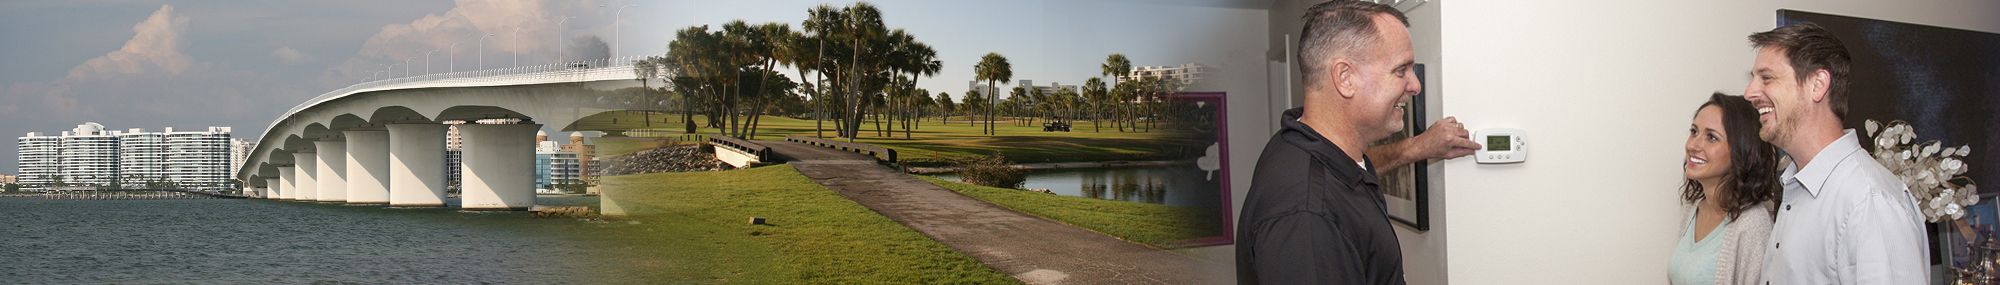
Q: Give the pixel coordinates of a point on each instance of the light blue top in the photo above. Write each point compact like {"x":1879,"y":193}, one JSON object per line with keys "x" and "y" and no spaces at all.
{"x":1694,"y":262}
{"x":1846,"y":220}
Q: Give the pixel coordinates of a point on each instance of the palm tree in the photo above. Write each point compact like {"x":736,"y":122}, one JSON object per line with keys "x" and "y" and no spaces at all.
{"x":820,"y":21}
{"x":1116,"y":65}
{"x":646,"y":69}
{"x":945,"y":106}
{"x":1093,"y":92}
{"x":993,"y":68}
{"x":972,"y":101}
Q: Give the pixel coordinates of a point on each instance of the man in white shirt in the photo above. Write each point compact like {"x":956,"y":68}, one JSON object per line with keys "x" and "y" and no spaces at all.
{"x":1844,"y":219}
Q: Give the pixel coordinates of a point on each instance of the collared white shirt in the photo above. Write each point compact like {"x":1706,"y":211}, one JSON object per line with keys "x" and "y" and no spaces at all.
{"x":1846,"y":220}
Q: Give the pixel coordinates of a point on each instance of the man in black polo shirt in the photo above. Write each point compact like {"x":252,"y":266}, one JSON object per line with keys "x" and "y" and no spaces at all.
{"x":1315,"y":213}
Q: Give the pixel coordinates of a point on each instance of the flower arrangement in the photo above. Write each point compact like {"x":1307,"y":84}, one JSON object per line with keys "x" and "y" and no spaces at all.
{"x":1933,"y":173}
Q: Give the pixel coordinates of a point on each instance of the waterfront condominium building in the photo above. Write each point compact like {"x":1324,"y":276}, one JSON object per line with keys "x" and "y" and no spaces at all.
{"x":91,"y":157}
{"x":88,"y":156}
{"x":199,"y":160}
{"x":39,"y":154}
{"x":556,"y":166}
{"x":1187,"y":73}
{"x":239,"y":151}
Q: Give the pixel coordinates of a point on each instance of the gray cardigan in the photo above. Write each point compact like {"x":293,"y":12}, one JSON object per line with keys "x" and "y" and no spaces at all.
{"x":1741,"y":260}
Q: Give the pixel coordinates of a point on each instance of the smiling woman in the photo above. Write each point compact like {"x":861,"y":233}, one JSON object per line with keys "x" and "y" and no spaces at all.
{"x":1730,"y":181}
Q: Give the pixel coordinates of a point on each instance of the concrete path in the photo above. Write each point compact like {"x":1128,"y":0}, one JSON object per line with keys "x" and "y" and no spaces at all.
{"x":1032,"y":249}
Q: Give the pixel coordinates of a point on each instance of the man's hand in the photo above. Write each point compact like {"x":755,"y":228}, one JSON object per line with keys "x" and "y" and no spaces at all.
{"x":1446,"y":139}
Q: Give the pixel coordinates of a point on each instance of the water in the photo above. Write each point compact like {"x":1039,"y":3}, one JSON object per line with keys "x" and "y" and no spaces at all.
{"x":1175,"y":185}
{"x":263,"y":241}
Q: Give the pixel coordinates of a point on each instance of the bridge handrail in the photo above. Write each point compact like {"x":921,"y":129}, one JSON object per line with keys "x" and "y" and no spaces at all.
{"x":763,"y":153}
{"x":883,"y":154}
{"x":572,"y":71}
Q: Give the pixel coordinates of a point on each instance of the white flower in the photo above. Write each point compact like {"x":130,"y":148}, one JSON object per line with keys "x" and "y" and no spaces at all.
{"x":1930,"y":149}
{"x":1904,"y":155}
{"x":1872,"y":125}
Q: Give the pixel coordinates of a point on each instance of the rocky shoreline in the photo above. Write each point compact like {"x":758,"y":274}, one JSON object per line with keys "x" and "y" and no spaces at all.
{"x":678,"y":158}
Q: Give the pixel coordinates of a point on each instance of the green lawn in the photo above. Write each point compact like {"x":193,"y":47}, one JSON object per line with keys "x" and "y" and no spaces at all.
{"x":693,"y":227}
{"x":936,"y":144}
{"x":1160,"y":226}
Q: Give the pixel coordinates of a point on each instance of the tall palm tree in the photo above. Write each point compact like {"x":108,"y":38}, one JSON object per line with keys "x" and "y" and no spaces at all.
{"x":1093,"y":92}
{"x":992,"y":68}
{"x":864,"y":29}
{"x":821,"y":22}
{"x":645,"y":70}
{"x":1116,"y":65}
{"x":945,"y":106}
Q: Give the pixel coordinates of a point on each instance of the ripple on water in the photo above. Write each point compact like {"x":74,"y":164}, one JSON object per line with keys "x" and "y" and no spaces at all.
{"x":259,"y":241}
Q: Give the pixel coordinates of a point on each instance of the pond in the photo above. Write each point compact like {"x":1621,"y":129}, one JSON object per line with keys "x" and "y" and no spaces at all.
{"x":1183,"y":185}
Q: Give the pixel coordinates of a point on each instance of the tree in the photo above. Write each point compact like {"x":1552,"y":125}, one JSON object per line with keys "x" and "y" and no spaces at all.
{"x":972,"y":101}
{"x":821,"y":21}
{"x":945,"y":106}
{"x":646,"y":70}
{"x":1093,"y":92}
{"x":993,"y":68}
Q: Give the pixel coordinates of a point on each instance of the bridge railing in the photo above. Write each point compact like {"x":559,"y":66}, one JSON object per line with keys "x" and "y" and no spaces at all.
{"x":883,"y":154}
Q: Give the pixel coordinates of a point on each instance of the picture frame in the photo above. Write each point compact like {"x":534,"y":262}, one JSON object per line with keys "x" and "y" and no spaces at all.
{"x":1215,"y":161}
{"x":1406,"y":190}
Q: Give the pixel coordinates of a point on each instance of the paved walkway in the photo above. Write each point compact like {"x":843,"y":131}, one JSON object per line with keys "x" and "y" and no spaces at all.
{"x":1032,"y":249}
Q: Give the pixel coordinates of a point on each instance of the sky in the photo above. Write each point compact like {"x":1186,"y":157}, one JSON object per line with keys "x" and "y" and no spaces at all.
{"x":240,"y":64}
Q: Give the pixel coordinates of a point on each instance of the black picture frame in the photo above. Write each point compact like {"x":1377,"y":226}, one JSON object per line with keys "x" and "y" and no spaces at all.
{"x":1406,"y":191}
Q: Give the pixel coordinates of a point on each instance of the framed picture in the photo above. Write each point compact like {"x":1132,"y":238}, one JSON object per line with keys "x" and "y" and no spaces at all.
{"x":1406,"y":190}
{"x":1203,"y":118}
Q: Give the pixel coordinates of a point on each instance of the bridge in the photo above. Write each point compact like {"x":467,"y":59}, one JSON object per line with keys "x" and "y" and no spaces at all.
{"x":384,"y":142}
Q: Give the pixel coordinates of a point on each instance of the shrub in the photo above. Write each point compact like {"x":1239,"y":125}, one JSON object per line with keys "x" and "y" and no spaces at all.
{"x":991,"y":171}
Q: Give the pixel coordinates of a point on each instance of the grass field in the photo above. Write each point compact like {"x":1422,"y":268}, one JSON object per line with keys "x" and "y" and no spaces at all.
{"x":1160,"y":226}
{"x":693,"y":227}
{"x":937,"y":144}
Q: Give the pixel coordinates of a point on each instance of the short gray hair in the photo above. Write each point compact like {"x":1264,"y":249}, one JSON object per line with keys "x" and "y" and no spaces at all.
{"x":1338,"y":27}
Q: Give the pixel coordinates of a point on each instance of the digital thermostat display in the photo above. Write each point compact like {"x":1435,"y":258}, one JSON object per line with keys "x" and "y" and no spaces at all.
{"x":1502,"y":146}
{"x":1498,"y":143}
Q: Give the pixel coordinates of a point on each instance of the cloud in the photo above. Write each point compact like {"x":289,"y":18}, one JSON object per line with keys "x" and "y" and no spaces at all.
{"x":288,"y":55}
{"x":154,"y":47}
{"x":508,"y":29}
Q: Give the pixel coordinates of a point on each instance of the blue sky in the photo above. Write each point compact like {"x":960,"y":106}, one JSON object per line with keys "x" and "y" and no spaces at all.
{"x":191,"y":64}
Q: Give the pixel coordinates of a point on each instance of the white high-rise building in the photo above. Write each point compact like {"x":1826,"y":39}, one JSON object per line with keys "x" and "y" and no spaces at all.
{"x":89,"y":156}
{"x":40,"y":158}
{"x":1187,"y":73}
{"x":199,"y":160}
{"x":239,"y":151}
{"x":142,"y":158}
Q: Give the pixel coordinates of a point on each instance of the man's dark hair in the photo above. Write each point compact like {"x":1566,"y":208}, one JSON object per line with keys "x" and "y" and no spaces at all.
{"x":1338,"y":26}
{"x":1811,"y":48}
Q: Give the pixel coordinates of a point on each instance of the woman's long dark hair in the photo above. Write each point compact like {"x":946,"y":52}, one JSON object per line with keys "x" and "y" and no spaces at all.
{"x":1752,"y":176}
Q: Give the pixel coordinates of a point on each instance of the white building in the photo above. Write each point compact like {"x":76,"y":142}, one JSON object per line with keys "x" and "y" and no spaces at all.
{"x":89,"y":156}
{"x":142,"y":158}
{"x":239,"y":151}
{"x":1187,"y":73}
{"x":199,"y":160}
{"x":40,"y":155}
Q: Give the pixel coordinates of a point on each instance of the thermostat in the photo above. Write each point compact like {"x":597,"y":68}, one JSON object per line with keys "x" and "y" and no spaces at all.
{"x":1501,"y":146}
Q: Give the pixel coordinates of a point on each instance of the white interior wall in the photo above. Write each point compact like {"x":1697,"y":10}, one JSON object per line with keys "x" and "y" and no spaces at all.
{"x":1605,"y":90}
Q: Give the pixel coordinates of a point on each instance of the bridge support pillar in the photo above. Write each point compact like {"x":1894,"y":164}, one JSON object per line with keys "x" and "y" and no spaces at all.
{"x":367,"y":166}
{"x":498,"y":166}
{"x":306,"y":164}
{"x":273,"y":188}
{"x":416,"y":165}
{"x":285,"y":186}
{"x":332,"y":167}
